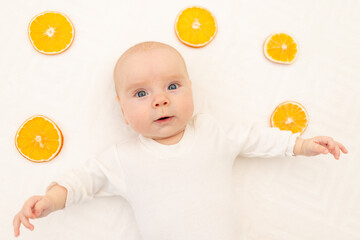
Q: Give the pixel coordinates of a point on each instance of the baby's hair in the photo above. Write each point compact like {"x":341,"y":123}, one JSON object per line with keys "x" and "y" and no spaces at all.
{"x":143,"y":46}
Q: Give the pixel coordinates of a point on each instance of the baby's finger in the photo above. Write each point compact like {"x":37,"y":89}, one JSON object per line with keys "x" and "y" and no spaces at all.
{"x":40,"y":207}
{"x":29,"y":213}
{"x":331,"y":144}
{"x":336,"y":152}
{"x":26,"y":223}
{"x":16,"y":224}
{"x":30,"y":203}
{"x":320,"y":149}
{"x":325,"y":141}
{"x":342,"y":147}
{"x":28,"y":207}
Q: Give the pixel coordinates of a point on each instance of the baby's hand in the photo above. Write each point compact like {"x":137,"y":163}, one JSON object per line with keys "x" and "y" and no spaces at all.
{"x":318,"y":145}
{"x":34,"y":207}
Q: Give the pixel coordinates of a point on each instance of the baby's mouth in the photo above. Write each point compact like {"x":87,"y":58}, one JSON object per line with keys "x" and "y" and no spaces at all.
{"x":164,"y":119}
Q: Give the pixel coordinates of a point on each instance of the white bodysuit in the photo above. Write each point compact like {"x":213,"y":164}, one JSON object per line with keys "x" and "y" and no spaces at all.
{"x":182,"y":191}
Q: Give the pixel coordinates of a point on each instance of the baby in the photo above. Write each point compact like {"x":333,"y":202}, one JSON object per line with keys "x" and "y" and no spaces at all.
{"x":177,"y":173}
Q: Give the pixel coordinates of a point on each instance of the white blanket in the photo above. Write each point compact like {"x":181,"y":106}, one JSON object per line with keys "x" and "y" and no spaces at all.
{"x":278,"y":199}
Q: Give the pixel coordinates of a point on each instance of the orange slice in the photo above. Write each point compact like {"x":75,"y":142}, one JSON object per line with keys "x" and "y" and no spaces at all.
{"x":281,"y":48}
{"x":290,"y":116}
{"x":195,"y":26}
{"x":51,"y":32}
{"x":39,"y":139}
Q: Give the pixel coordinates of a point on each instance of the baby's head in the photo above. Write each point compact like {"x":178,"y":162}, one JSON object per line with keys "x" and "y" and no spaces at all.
{"x":154,"y":91}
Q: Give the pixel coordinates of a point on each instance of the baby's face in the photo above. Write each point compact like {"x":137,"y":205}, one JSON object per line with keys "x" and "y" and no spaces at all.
{"x":155,"y":94}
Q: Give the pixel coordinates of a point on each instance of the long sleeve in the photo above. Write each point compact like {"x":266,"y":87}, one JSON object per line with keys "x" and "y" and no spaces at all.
{"x":102,"y":176}
{"x":258,"y":141}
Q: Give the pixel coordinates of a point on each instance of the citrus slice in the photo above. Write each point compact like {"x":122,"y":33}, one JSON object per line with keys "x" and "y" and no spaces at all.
{"x":195,"y":26}
{"x":281,"y":48}
{"x":51,"y":32}
{"x":39,"y":139}
{"x":290,"y":116}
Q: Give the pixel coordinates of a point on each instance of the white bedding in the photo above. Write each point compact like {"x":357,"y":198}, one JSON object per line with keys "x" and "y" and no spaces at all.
{"x":278,"y":199}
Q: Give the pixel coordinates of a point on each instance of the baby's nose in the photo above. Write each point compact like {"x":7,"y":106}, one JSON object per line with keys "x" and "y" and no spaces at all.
{"x":160,"y":101}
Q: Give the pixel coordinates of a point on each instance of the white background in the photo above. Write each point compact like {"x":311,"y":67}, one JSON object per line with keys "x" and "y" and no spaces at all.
{"x":278,"y":199}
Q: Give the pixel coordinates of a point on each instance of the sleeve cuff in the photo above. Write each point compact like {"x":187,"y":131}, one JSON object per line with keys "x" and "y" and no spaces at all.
{"x":290,"y":148}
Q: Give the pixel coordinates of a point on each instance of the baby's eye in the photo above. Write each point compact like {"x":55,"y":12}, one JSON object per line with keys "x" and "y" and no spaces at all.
{"x":173,"y":86}
{"x":141,"y":94}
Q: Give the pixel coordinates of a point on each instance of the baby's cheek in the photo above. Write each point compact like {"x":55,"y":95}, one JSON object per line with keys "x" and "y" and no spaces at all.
{"x":188,"y":107}
{"x":139,"y":122}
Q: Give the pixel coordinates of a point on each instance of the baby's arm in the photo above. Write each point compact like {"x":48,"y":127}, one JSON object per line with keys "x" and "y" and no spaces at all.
{"x":102,"y":176}
{"x":318,"y":145}
{"x":40,"y":206}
